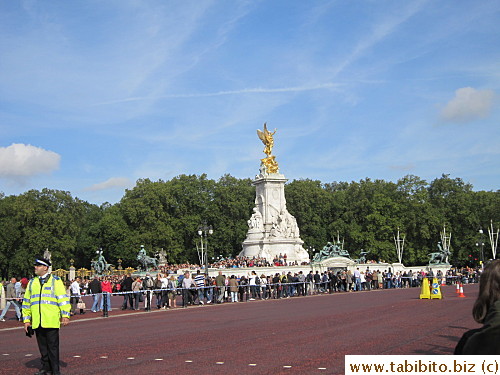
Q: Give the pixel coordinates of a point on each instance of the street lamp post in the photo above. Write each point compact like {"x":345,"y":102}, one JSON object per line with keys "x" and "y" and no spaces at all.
{"x":481,"y":233}
{"x":204,"y":231}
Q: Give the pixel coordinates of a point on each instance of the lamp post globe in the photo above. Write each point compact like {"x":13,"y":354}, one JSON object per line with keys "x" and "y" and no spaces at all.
{"x":203,"y":232}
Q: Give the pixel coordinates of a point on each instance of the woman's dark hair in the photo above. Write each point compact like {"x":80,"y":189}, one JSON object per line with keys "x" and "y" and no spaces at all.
{"x":489,"y":291}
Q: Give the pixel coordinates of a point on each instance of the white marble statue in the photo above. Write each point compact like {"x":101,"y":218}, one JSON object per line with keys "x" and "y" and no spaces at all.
{"x":255,"y":221}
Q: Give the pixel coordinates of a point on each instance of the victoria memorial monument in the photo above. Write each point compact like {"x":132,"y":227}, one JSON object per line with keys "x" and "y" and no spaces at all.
{"x":272,"y":230}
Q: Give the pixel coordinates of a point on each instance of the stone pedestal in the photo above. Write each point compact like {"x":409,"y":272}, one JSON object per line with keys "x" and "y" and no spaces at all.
{"x":272,"y":229}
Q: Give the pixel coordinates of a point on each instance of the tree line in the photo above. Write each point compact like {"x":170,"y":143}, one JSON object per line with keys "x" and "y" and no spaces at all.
{"x":166,"y":215}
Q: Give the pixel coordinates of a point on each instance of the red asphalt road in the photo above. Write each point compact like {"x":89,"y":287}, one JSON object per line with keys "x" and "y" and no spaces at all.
{"x":310,"y":334}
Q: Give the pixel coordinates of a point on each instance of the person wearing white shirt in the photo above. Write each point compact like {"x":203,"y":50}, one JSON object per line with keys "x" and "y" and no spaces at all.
{"x":362,"y":280}
{"x":357,"y":280}
{"x":253,"y":285}
{"x":75,"y":294}
{"x":164,"y":297}
{"x":263,"y":284}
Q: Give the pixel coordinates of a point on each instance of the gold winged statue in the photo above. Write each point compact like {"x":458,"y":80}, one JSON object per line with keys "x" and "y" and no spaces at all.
{"x":270,"y":163}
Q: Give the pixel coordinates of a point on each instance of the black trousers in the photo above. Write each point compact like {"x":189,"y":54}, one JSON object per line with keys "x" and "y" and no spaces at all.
{"x":48,"y":344}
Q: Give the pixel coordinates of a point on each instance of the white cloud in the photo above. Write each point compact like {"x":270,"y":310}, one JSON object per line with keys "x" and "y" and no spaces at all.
{"x":113,"y":182}
{"x":468,"y":105}
{"x":20,"y":161}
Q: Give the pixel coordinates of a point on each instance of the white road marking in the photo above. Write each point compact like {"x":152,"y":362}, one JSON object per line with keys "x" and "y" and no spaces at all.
{"x":28,"y":355}
{"x":219,"y":363}
{"x":131,"y":358}
{"x":5,"y":354}
{"x":287,"y":366}
{"x":188,"y":361}
{"x":103,"y":356}
{"x":158,"y":359}
{"x":321,"y":368}
{"x":77,"y":356}
{"x":252,"y":364}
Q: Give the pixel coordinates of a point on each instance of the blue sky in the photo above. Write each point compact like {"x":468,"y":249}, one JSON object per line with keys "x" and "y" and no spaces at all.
{"x":97,"y":94}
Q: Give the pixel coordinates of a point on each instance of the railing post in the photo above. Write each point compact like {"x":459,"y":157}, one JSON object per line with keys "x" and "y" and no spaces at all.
{"x":105,"y":305}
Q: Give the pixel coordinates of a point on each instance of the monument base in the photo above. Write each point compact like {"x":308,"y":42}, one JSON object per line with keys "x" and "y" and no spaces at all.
{"x":272,"y":248}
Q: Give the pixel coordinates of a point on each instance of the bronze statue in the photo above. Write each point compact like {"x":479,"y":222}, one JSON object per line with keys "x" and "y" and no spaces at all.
{"x":439,"y":257}
{"x":100,"y":265}
{"x":145,"y":261}
{"x":267,"y":139}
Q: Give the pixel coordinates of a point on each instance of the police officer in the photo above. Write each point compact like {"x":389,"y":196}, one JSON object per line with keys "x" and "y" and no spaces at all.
{"x":45,"y":306}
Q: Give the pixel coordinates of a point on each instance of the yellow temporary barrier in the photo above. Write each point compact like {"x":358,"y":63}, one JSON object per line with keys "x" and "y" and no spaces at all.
{"x":425,"y":291}
{"x":435,"y":289}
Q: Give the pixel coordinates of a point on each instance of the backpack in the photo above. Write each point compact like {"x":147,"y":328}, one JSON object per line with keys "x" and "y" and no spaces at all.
{"x":148,"y":283}
{"x":257,"y":280}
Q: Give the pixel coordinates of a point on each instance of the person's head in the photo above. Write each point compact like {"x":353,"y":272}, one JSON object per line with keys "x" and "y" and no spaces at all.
{"x":489,"y":291}
{"x":13,"y":280}
{"x":41,"y":266}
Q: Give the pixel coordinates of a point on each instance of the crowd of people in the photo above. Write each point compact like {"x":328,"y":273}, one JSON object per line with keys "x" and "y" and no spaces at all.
{"x":236,"y":262}
{"x":192,"y":286}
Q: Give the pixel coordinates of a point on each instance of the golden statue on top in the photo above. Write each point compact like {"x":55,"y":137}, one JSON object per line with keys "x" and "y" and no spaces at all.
{"x":270,"y":163}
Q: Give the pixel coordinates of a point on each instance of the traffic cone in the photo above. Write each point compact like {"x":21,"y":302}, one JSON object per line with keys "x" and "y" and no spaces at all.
{"x":435,"y":290}
{"x":458,"y":288}
{"x":425,"y":291}
{"x":443,"y":281}
{"x":461,"y":295}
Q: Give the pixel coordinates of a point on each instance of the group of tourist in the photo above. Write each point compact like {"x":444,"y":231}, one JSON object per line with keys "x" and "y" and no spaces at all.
{"x":162,"y":291}
{"x":236,"y":262}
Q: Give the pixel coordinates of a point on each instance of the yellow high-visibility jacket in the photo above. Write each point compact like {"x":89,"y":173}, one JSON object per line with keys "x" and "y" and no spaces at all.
{"x":45,"y":305}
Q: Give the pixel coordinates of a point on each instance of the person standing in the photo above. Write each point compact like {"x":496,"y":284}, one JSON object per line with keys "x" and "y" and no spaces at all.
{"x":75,"y":295}
{"x":199,"y":280}
{"x":137,"y":290}
{"x":148,"y":286}
{"x":11,"y":296}
{"x":107,"y":289}
{"x":187,"y":287}
{"x":220,"y":282}
{"x":1,"y":295}
{"x":158,"y":292}
{"x":172,"y":291}
{"x":95,"y":290}
{"x":126,"y":288}
{"x":233,"y":288}
{"x":251,"y":281}
{"x":45,"y":306}
{"x":357,"y":280}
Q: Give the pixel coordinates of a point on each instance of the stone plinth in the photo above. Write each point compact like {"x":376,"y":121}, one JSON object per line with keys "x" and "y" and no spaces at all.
{"x":272,"y":230}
